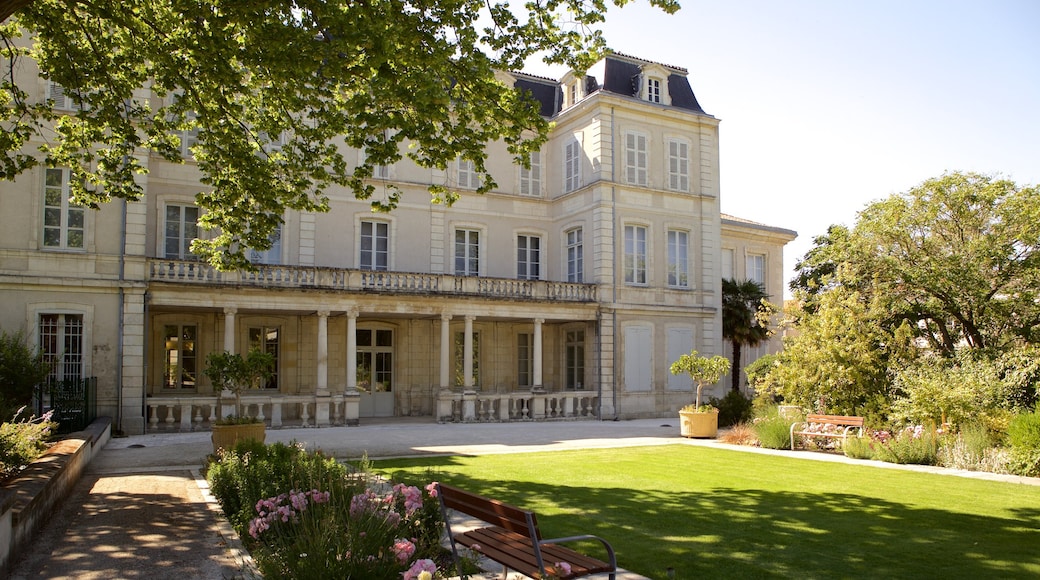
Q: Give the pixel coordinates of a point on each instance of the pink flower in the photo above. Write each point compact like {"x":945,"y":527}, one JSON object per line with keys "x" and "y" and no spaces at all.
{"x":432,"y":489}
{"x":564,"y":567}
{"x":404,"y":550}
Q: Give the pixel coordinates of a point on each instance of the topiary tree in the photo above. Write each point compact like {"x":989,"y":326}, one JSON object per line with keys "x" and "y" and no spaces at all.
{"x":703,"y":370}
{"x":236,"y":373}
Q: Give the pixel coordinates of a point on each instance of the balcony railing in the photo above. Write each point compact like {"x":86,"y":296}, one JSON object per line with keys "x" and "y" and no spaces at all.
{"x":272,"y":276}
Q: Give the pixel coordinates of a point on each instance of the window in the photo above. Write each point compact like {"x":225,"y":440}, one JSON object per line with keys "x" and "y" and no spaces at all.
{"x":635,"y":255}
{"x":189,"y":136}
{"x":572,"y":93}
{"x":61,"y":344}
{"x":467,"y":252}
{"x":528,"y":257}
{"x":375,"y":246}
{"x":381,"y":172}
{"x":468,"y":177}
{"x":181,"y":228}
{"x":63,"y":221}
{"x":180,"y":363}
{"x":266,"y":338}
{"x":272,"y":255}
{"x":635,"y":158}
{"x":575,"y":256}
{"x":653,"y":90}
{"x":727,"y":263}
{"x":678,"y":165}
{"x":571,"y":166}
{"x":525,"y":359}
{"x":375,"y":360}
{"x":460,"y":358}
{"x":575,"y":355}
{"x":531,"y":179}
{"x":756,"y":268}
{"x":678,"y":265}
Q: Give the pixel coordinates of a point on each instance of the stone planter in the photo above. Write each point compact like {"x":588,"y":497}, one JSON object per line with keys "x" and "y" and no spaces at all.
{"x":696,"y":424}
{"x":227,"y":435}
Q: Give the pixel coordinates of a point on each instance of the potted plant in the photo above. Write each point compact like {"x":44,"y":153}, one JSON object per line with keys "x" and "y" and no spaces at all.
{"x":234,"y":373}
{"x":698,"y":420}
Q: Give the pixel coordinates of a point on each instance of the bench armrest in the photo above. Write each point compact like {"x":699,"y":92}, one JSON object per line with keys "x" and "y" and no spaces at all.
{"x":793,"y":427}
{"x":606,"y":544}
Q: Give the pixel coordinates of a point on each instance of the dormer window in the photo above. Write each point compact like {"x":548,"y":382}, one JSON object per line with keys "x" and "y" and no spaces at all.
{"x":653,"y":90}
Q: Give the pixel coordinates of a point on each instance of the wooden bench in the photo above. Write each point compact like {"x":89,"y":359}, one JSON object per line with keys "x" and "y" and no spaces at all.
{"x":513,"y":539}
{"x":832,"y":426}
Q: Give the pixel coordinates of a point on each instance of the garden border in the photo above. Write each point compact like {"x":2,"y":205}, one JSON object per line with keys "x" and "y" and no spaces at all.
{"x":27,"y":500}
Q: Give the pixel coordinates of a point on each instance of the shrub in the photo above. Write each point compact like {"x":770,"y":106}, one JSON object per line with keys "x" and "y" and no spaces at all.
{"x":913,"y":445}
{"x":740,"y":434}
{"x":321,"y":520}
{"x":859,"y":448}
{"x":1024,"y":438}
{"x":22,"y":369}
{"x":973,"y":449}
{"x":21,"y":442}
{"x":773,"y":431}
{"x":733,"y":408}
{"x":942,"y":391}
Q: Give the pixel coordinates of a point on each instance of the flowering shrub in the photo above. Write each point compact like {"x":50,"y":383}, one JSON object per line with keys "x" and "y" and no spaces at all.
{"x":21,"y":442}
{"x":914,"y":444}
{"x":347,"y":525}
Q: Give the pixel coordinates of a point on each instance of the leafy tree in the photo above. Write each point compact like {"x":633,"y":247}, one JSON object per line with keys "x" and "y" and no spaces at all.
{"x":958,"y":257}
{"x":745,"y":319}
{"x":275,"y":91}
{"x":838,"y":360}
{"x":817,"y":271}
{"x":938,"y":390}
{"x":703,"y":370}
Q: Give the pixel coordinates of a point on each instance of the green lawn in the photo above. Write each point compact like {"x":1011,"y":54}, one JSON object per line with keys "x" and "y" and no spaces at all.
{"x":710,"y":513}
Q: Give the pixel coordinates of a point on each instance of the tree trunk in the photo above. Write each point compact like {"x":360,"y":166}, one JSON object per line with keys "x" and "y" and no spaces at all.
{"x":9,"y":7}
{"x":735,"y":369}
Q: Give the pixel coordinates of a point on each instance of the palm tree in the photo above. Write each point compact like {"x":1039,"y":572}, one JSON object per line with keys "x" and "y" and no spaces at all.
{"x":745,"y":314}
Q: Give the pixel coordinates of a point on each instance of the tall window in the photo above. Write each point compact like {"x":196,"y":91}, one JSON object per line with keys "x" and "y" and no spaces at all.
{"x":635,"y":158}
{"x":678,"y":165}
{"x":528,"y":257}
{"x":460,"y":360}
{"x":182,"y":226}
{"x":525,"y":359}
{"x":61,"y":100}
{"x":575,"y":256}
{"x":575,"y":345}
{"x":375,"y":246}
{"x":375,"y":360}
{"x":756,"y":268}
{"x":571,"y":166}
{"x":635,"y":255}
{"x":531,"y":179}
{"x":678,"y":265}
{"x":467,"y":252}
{"x":266,"y":338}
{"x":468,"y":174}
{"x":61,"y":344}
{"x":63,"y":221}
{"x":727,"y":263}
{"x":272,"y":255}
{"x":180,"y":364}
{"x":653,"y":90}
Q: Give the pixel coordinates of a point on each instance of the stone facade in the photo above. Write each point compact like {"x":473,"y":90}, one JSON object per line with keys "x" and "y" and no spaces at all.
{"x":566,"y":293}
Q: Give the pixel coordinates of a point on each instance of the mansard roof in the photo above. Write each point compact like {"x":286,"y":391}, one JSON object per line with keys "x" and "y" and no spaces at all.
{"x":617,"y":73}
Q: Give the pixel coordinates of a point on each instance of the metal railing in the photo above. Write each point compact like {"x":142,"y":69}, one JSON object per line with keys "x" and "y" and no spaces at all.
{"x":74,"y":402}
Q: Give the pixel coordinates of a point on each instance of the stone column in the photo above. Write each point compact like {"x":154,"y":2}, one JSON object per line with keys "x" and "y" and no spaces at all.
{"x":321,"y":394}
{"x":537,"y":363}
{"x":445,"y":352}
{"x":227,"y":400}
{"x":467,"y":356}
{"x":352,"y":398}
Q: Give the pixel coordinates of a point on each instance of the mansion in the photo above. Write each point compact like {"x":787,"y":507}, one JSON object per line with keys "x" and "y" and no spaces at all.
{"x":565,"y":293}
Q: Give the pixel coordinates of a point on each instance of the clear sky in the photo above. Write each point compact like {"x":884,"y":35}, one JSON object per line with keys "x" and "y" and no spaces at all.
{"x":826,"y":106}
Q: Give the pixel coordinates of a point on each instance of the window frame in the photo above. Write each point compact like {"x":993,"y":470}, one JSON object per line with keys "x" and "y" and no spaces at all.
{"x":528,"y":256}
{"x":637,"y":158}
{"x":574,"y":359}
{"x":531,"y":179}
{"x":373,"y":251}
{"x":271,"y":347}
{"x":751,"y":270}
{"x":678,"y":266}
{"x":525,"y":359}
{"x":466,"y":174}
{"x":678,"y":168}
{"x":634,"y":275}
{"x":183,"y":241}
{"x":469,"y":260}
{"x":273,"y":256}
{"x":571,"y":165}
{"x":178,"y":384}
{"x":574,"y":254}
{"x":65,"y":210}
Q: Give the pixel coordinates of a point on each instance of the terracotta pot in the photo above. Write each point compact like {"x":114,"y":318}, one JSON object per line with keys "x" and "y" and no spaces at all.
{"x":695,"y":424}
{"x":227,"y":435}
